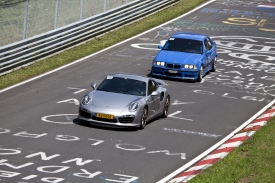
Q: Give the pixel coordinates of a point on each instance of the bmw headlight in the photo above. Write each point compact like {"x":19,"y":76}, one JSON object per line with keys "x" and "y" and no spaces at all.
{"x":189,"y":66}
{"x":86,"y":99}
{"x":134,"y":106}
{"x":158,"y":63}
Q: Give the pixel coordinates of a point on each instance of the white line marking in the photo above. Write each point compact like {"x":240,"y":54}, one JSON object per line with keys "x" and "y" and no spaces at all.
{"x":172,"y":116}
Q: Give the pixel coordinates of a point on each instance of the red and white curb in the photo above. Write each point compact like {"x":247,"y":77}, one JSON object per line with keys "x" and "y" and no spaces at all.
{"x":225,"y":148}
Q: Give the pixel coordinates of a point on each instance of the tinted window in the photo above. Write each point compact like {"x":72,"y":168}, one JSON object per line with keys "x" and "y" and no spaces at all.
{"x":183,"y":45}
{"x":123,"y":85}
{"x":209,"y":42}
{"x":152,"y":86}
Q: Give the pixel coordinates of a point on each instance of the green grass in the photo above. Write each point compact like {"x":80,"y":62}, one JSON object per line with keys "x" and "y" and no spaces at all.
{"x":99,"y":43}
{"x":251,"y":162}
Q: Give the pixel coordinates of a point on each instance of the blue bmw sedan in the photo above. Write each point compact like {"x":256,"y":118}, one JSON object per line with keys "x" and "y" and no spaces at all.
{"x":185,"y":56}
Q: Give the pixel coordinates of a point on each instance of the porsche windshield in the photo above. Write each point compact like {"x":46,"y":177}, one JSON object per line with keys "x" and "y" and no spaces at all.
{"x":183,"y":45}
{"x":123,"y":85}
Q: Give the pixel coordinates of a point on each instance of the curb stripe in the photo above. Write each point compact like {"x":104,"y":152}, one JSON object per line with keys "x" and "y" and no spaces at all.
{"x":226,"y":147}
{"x":218,"y":155}
{"x":238,"y":139}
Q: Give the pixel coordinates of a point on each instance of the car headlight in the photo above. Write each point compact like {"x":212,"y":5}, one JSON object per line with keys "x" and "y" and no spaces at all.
{"x":134,"y":106}
{"x":187,"y":66}
{"x":159,"y":63}
{"x":86,"y":99}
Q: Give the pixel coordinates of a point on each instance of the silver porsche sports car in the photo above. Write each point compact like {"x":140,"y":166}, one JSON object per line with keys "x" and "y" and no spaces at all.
{"x":124,"y":100}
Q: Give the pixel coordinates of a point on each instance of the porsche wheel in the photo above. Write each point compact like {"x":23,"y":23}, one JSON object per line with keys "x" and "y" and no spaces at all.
{"x":200,"y":74}
{"x":166,"y":107}
{"x":143,"y":118}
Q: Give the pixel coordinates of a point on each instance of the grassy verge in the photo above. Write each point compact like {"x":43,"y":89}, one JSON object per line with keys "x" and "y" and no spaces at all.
{"x":251,"y":162}
{"x":99,"y":43}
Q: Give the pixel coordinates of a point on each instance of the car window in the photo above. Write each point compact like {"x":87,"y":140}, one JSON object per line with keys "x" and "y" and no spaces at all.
{"x":183,"y":45}
{"x":209,"y":42}
{"x":152,"y":86}
{"x":123,"y":86}
{"x":206,"y":44}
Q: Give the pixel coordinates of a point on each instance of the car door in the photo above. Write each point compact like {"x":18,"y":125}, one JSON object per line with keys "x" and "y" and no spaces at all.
{"x":153,"y":102}
{"x":207,"y":53}
{"x":211,"y":48}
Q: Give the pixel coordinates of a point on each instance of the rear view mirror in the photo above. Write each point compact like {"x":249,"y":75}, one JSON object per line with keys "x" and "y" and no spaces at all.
{"x":93,"y":86}
{"x":154,"y":93}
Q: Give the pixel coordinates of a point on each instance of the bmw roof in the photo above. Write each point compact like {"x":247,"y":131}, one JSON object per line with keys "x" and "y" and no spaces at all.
{"x":188,"y":35}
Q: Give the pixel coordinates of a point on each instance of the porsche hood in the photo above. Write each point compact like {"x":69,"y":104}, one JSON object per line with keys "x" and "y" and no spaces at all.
{"x":103,"y":99}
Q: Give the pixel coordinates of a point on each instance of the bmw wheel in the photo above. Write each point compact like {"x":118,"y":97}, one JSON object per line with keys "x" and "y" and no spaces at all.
{"x":143,"y":118}
{"x":166,"y":107}
{"x":200,"y":75}
{"x":214,"y":65}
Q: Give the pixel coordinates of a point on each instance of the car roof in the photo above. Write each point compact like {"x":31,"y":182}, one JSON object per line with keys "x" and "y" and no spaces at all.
{"x":130,"y":76}
{"x":189,"y":35}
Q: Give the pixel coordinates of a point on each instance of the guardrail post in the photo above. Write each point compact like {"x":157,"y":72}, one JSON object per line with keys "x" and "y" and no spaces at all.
{"x":81,"y":9}
{"x":26,"y":19}
{"x":105,"y":6}
{"x":56,"y":14}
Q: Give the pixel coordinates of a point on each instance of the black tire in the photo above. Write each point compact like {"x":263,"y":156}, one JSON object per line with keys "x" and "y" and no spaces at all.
{"x":143,"y":118}
{"x":165,"y":112}
{"x":214,"y":65}
{"x":200,"y":75}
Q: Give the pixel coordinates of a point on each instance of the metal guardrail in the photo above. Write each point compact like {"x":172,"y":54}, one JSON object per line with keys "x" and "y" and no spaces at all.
{"x":28,"y":51}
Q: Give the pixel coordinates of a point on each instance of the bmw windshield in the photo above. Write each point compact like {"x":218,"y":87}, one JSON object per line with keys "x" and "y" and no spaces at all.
{"x":183,"y":45}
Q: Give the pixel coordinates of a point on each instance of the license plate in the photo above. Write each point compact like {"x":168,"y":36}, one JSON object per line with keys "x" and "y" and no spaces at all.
{"x":172,"y":71}
{"x":106,"y":116}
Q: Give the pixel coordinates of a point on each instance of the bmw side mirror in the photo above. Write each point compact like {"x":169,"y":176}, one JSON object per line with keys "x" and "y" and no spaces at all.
{"x":93,"y":86}
{"x":160,"y":47}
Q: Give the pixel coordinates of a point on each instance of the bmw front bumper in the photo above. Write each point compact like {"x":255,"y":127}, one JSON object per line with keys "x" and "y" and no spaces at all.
{"x":175,"y":73}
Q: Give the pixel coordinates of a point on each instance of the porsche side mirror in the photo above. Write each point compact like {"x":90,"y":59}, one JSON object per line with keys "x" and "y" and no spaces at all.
{"x":154,"y":93}
{"x":93,"y":86}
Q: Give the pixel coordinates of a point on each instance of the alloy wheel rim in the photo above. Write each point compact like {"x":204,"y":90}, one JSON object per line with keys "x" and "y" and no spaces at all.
{"x":166,"y":110}
{"x":201,"y":72}
{"x":144,"y":116}
{"x":215,"y":63}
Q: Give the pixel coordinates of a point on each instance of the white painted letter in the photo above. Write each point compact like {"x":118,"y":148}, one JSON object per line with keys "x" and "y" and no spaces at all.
{"x":124,"y":178}
{"x":4,"y":130}
{"x":139,"y":148}
{"x":25,"y":134}
{"x":52,"y":179}
{"x":96,"y":143}
{"x":13,"y":151}
{"x":79,"y":161}
{"x":87,"y":174}
{"x":12,"y":166}
{"x":8,"y":174}
{"x":71,"y":101}
{"x":43,"y":156}
{"x":66,"y":138}
{"x":60,"y":169}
